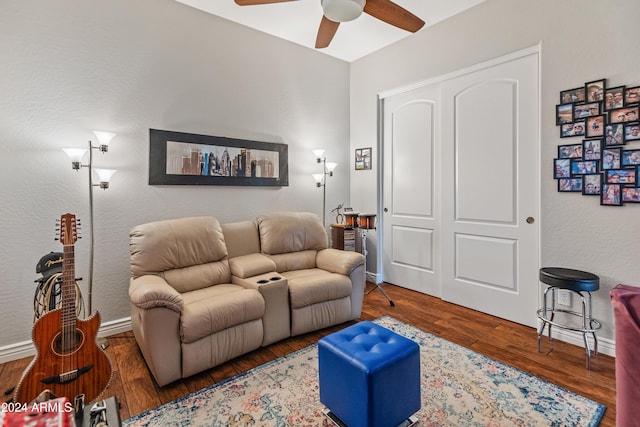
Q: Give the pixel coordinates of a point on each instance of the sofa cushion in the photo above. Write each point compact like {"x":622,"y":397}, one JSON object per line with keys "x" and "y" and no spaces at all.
{"x":312,"y":286}
{"x":213,"y":309}
{"x":159,"y":246}
{"x":294,"y":260}
{"x":198,"y":276}
{"x":241,"y":238}
{"x":284,"y":232}
{"x":251,"y":265}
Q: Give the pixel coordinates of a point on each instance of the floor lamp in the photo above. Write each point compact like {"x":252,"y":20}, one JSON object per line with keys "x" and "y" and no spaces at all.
{"x":321,"y":179}
{"x":104,"y":176}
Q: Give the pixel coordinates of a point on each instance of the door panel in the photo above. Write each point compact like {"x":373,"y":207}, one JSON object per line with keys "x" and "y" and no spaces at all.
{"x":490,"y":144}
{"x":409,"y":222}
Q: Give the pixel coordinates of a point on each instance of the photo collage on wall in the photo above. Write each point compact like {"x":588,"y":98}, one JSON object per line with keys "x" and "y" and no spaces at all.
{"x":606,"y":160}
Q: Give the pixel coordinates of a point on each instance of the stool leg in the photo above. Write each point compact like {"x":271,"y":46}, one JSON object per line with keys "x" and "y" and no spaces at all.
{"x":595,"y":339}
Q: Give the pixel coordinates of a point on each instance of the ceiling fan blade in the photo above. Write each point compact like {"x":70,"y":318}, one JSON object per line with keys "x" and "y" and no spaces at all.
{"x":326,"y":32}
{"x":254,"y":2}
{"x":391,"y":13}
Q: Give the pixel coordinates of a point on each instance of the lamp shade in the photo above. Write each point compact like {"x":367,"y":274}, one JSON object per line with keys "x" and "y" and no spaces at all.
{"x":318,"y":153}
{"x":331,"y":167}
{"x":76,"y":155}
{"x":342,"y":10}
{"x":104,"y":175}
{"x":318,"y":177}
{"x":104,"y":138}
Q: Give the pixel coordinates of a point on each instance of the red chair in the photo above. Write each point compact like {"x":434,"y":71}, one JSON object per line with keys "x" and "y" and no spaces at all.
{"x":626,"y":310}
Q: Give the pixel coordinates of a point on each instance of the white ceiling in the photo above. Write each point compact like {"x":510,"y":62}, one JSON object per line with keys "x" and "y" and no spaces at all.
{"x":298,"y":21}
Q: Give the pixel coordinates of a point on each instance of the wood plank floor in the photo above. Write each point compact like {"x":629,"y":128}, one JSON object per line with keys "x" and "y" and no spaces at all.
{"x":516,"y":345}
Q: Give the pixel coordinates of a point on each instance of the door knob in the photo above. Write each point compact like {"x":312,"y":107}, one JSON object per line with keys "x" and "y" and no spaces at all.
{"x":530,"y":220}
{"x":386,"y":210}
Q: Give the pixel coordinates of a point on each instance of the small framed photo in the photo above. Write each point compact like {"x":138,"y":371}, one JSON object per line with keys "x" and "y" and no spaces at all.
{"x":622,"y":115}
{"x":561,"y":168}
{"x":614,"y":134}
{"x":583,"y":167}
{"x":564,"y":114}
{"x":572,"y":129}
{"x":631,"y":194}
{"x":594,"y":126}
{"x":582,"y":111}
{"x":594,"y":91}
{"x":631,"y":132}
{"x":630,"y":158}
{"x":363,"y":158}
{"x":614,"y":97}
{"x":620,"y":176}
{"x":572,"y":95}
{"x":573,"y":185}
{"x":570,"y":151}
{"x":611,"y":195}
{"x":632,"y":95}
{"x":611,"y":158}
{"x":591,"y":184}
{"x":591,"y":149}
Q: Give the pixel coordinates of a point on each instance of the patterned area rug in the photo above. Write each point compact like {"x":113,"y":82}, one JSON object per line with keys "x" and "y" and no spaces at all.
{"x":459,"y":388}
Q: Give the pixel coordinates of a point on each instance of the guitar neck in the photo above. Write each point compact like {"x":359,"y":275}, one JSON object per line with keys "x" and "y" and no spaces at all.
{"x":68,"y":291}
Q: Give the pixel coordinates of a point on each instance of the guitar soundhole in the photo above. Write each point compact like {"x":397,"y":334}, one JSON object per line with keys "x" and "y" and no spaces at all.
{"x":67,"y":343}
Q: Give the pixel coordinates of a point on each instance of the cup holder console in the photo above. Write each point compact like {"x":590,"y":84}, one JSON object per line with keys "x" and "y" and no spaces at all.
{"x":267,"y":278}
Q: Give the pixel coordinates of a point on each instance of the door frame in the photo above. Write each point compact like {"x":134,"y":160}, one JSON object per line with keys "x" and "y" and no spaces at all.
{"x":536,"y":49}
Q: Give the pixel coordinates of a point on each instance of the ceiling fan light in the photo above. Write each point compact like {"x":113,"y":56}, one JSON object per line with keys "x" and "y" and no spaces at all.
{"x":342,"y":10}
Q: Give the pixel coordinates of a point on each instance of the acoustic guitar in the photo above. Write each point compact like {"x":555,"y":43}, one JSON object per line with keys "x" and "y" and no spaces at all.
{"x":68,"y":360}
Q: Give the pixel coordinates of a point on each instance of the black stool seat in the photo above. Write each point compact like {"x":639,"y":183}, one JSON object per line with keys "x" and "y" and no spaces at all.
{"x":567,"y":278}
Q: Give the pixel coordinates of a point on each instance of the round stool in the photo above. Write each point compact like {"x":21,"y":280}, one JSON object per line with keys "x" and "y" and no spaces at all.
{"x":579,"y":283}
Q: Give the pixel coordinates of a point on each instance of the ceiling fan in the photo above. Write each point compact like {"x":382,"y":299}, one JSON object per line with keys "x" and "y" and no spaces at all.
{"x":337,"y":11}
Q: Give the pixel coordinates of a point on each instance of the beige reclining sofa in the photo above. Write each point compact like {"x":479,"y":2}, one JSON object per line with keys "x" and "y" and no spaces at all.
{"x":203,"y":293}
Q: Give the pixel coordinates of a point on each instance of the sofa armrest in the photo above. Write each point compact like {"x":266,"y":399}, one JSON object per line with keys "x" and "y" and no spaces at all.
{"x":151,"y":291}
{"x":338,"y":261}
{"x":251,"y":265}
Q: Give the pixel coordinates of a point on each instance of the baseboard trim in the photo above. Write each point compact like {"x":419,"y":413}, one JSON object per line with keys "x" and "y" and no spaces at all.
{"x":26,"y":348}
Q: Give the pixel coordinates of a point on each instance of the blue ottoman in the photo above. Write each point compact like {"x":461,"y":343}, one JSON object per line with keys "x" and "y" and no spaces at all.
{"x":369,"y":375}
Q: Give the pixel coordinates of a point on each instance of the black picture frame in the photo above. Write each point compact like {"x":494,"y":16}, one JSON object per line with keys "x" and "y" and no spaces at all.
{"x":631,"y":131}
{"x":228,"y":162}
{"x":568,"y":130}
{"x":594,"y":90}
{"x":561,"y":168}
{"x":620,"y":176}
{"x":570,"y":151}
{"x":564,"y":113}
{"x":570,"y":185}
{"x":630,"y":158}
{"x":582,"y":111}
{"x":581,"y":167}
{"x":594,"y":126}
{"x":591,"y":149}
{"x":613,"y":98}
{"x":362,"y":159}
{"x":624,"y":114}
{"x":614,"y":134}
{"x":611,"y":195}
{"x":630,"y":195}
{"x":611,"y":158}
{"x":572,"y":95}
{"x":591,"y":184}
{"x":632,"y":95}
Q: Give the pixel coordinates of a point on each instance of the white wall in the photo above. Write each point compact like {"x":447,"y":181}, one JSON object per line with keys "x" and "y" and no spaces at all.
{"x":71,"y":66}
{"x":581,"y":41}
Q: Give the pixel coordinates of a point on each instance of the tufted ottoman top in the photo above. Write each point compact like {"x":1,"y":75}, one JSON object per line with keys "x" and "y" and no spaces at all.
{"x":369,"y":345}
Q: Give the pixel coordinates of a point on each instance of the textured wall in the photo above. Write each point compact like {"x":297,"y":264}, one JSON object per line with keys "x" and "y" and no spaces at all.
{"x":72,"y":66}
{"x":578,"y":45}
